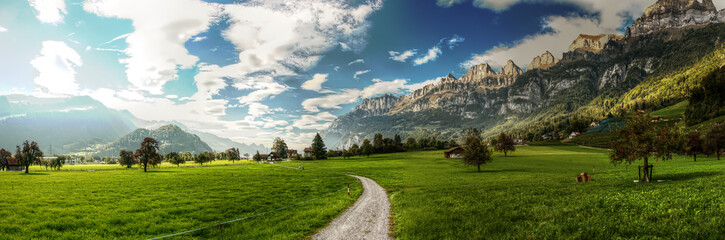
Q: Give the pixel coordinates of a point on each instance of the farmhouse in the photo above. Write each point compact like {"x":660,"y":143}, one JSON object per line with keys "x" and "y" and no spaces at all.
{"x":454,"y":152}
{"x":309,"y":152}
{"x":291,"y":153}
{"x":574,"y":134}
{"x":273,"y":156}
{"x":13,"y":165}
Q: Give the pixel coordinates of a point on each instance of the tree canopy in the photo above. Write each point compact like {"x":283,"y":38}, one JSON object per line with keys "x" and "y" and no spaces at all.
{"x":280,"y":147}
{"x":319,"y":150}
{"x":29,"y":154}
{"x":475,"y":152}
{"x":505,"y":144}
{"x":147,"y":153}
{"x":715,"y":139}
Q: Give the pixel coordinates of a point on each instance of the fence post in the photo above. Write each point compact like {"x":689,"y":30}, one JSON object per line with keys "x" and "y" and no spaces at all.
{"x":221,"y":233}
{"x":348,"y":189}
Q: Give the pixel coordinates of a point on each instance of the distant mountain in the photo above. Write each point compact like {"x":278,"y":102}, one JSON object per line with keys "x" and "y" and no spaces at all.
{"x":171,"y":138}
{"x":659,"y":62}
{"x":68,"y":124}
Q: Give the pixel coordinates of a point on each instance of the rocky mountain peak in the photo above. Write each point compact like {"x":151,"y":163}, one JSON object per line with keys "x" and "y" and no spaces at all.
{"x":478,"y":72}
{"x":450,"y":76}
{"x":376,"y":105}
{"x":545,"y":61}
{"x":592,"y":43}
{"x":510,"y":69}
{"x":675,"y":14}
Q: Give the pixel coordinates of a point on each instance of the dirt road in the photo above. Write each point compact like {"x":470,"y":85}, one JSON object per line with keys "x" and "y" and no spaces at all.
{"x":366,"y":219}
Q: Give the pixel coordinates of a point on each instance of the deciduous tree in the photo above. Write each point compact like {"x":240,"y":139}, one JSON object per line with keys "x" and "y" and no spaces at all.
{"x":475,"y":152}
{"x":126,"y":158}
{"x":378,"y":143}
{"x":505,"y":144}
{"x":354,"y":150}
{"x":642,"y":140}
{"x":4,"y":156}
{"x":715,"y":139}
{"x":366,"y":148}
{"x":257,"y":157}
{"x":147,"y":154}
{"x":318,"y":148}
{"x":201,"y":158}
{"x":29,"y":154}
{"x":694,"y":144}
{"x":233,"y":154}
{"x":174,"y":158}
{"x":280,"y":147}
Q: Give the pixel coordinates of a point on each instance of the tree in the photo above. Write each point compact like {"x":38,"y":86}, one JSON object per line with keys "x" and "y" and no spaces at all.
{"x":346,"y":154}
{"x":378,"y":143}
{"x":331,"y":154}
{"x":174,"y":158}
{"x":257,"y":157}
{"x":505,"y":144}
{"x":715,"y":139}
{"x":642,"y":140}
{"x":694,"y":144}
{"x":354,"y":150}
{"x":410,"y":143}
{"x":233,"y":154}
{"x":201,"y":158}
{"x":246,"y":155}
{"x":147,"y":153}
{"x":452,"y":143}
{"x":4,"y":156}
{"x":366,"y":148}
{"x":318,"y":148}
{"x":280,"y":147}
{"x":126,"y":158}
{"x":28,"y":155}
{"x":58,"y":162}
{"x":475,"y":152}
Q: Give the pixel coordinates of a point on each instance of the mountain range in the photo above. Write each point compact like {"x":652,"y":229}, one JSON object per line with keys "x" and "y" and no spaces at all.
{"x":654,"y":64}
{"x":82,"y":125}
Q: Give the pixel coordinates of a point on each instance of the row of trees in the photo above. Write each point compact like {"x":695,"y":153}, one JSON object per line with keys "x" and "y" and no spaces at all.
{"x":148,"y":154}
{"x":28,"y":154}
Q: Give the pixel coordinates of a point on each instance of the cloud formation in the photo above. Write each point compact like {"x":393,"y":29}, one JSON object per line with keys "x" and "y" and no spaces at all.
{"x":315,"y":84}
{"x":49,"y":11}
{"x":360,"y":73}
{"x":402,"y":57}
{"x":431,"y":56}
{"x":356,"y":61}
{"x":347,"y":96}
{"x":56,"y":67}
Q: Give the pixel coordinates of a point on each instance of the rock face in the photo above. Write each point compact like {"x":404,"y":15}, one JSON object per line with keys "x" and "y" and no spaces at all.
{"x":376,"y":106}
{"x":592,"y":43}
{"x":545,"y":61}
{"x":675,"y":14}
{"x":484,"y":75}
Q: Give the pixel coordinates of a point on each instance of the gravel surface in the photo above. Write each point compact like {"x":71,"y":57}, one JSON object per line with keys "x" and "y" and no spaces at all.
{"x":366,"y":219}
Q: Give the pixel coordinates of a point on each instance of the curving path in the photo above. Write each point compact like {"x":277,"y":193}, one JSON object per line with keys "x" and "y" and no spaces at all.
{"x":366,"y":219}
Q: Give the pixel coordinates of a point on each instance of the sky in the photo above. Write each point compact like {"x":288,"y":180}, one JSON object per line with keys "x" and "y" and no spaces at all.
{"x":253,"y":70}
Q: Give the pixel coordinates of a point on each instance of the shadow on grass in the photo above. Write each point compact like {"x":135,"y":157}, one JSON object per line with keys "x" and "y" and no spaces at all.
{"x":161,"y":171}
{"x":32,"y":173}
{"x":684,"y":176}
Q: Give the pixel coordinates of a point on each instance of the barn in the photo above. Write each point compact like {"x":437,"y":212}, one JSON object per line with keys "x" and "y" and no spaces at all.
{"x":454,"y":152}
{"x":13,"y":165}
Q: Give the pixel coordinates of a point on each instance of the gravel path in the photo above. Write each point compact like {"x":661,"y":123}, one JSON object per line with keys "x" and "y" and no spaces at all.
{"x":366,"y":219}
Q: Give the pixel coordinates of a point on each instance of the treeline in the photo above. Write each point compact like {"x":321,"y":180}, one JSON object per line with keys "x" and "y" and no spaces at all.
{"x":147,"y":155}
{"x":382,"y":144}
{"x":29,"y":154}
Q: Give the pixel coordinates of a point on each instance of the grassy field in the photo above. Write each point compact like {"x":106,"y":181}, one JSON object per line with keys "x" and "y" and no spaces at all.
{"x":532,"y":195}
{"x":136,"y":205}
{"x":98,"y":166}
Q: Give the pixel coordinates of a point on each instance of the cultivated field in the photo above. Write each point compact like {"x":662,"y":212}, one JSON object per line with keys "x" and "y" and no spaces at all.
{"x":132,"y":204}
{"x":532,"y":194}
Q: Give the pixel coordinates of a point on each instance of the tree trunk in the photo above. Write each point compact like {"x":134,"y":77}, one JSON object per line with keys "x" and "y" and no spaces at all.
{"x":505,"y":154}
{"x":479,"y":168}
{"x":144,"y":167}
{"x":646,"y":171}
{"x":26,"y":168}
{"x":694,"y":156}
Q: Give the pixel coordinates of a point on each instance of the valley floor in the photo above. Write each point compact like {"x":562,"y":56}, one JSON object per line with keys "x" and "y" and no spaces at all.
{"x":530,"y":194}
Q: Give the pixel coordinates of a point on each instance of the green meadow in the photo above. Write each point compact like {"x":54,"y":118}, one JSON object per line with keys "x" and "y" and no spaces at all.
{"x":132,"y":204}
{"x":530,"y":194}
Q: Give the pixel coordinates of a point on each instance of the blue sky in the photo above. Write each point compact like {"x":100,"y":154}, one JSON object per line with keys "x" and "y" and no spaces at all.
{"x":253,"y":70}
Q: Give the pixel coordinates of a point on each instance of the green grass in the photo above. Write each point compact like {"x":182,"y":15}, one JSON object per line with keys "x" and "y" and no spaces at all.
{"x":136,"y":205}
{"x":532,"y":194}
{"x":675,"y":110}
{"x":98,"y":166}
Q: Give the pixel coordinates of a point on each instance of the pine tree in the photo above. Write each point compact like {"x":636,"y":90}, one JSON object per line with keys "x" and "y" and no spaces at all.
{"x":318,"y":147}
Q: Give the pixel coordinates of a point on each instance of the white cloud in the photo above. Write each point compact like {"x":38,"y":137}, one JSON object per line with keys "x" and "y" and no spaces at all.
{"x":257,"y":109}
{"x":2,"y":29}
{"x":156,"y":47}
{"x":448,"y":3}
{"x":172,"y":96}
{"x":611,"y":15}
{"x":416,"y":86}
{"x":49,"y":11}
{"x":315,"y":84}
{"x":320,"y":121}
{"x":356,"y":61}
{"x":346,"y":96}
{"x":275,"y":123}
{"x":431,"y":56}
{"x":360,"y":73}
{"x":267,"y":90}
{"x":56,"y":66}
{"x":198,"y":39}
{"x":402,"y":57}
{"x":454,"y":41}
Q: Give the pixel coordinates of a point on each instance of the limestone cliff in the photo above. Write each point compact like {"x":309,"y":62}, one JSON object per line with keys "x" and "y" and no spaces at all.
{"x":675,"y":14}
{"x":545,"y":61}
{"x":592,"y":43}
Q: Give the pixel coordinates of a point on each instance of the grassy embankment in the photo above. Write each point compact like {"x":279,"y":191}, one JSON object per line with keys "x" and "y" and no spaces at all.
{"x":532,"y":195}
{"x":137,"y":205}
